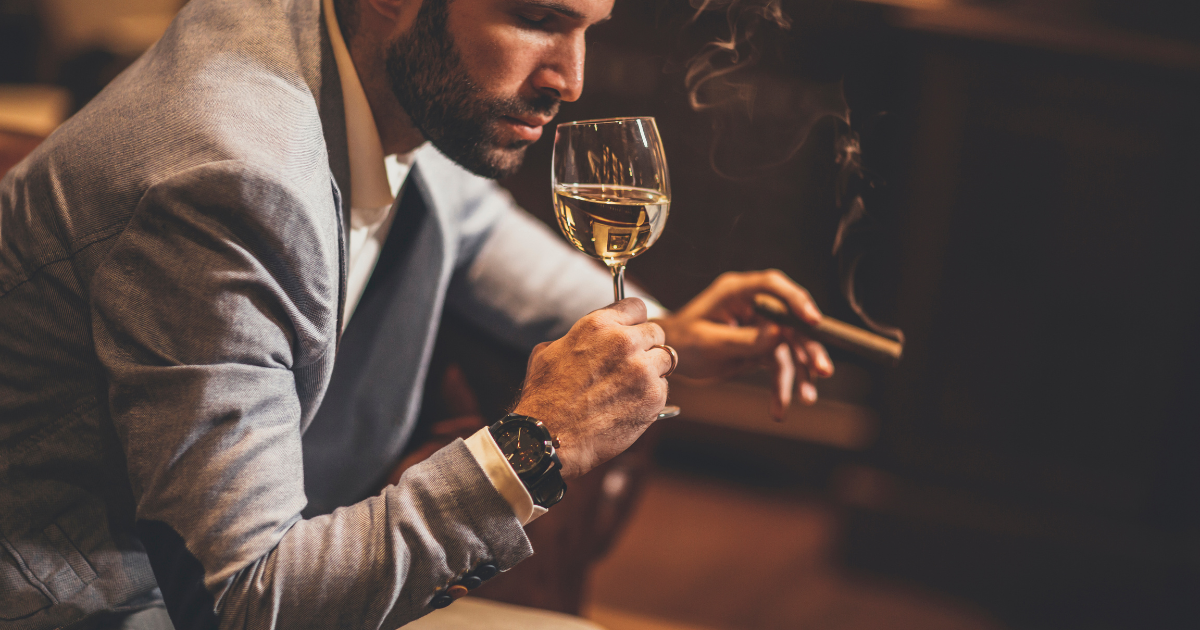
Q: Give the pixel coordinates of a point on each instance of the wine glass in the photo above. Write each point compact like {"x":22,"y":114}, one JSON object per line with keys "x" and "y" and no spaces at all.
{"x":612,"y":193}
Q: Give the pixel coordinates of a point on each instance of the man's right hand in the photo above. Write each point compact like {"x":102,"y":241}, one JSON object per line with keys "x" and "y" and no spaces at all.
{"x":600,"y":386}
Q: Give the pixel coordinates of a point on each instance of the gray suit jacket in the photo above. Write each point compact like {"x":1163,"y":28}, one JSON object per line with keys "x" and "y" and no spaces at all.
{"x":172,"y":275}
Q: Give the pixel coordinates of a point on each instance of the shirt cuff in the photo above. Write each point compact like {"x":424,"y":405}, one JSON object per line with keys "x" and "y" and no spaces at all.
{"x":487,"y":453}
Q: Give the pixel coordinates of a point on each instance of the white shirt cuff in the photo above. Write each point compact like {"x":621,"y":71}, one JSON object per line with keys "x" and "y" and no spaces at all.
{"x":483,"y":446}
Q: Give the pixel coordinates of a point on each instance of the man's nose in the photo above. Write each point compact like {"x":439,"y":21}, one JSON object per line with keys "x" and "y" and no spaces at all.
{"x":562,"y":76}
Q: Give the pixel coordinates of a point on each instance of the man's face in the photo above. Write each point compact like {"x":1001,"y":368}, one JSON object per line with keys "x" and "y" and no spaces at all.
{"x":479,"y":78}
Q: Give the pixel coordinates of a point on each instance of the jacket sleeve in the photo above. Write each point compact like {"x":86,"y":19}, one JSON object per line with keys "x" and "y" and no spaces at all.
{"x":212,"y":316}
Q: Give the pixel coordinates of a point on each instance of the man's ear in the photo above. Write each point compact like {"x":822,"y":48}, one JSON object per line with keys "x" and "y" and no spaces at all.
{"x":392,"y":10}
{"x":387,"y":18}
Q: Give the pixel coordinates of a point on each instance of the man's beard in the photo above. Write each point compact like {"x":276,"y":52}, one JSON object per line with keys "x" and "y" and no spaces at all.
{"x":430,"y":81}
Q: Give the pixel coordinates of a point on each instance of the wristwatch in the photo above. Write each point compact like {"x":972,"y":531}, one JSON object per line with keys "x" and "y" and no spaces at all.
{"x":529,"y":448}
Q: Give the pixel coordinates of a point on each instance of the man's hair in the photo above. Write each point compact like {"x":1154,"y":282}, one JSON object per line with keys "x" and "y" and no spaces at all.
{"x":347,"y":15}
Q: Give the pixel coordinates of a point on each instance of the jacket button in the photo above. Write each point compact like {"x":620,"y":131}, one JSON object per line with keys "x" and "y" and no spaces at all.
{"x":486,"y":571}
{"x":472,"y":582}
{"x":456,"y":591}
{"x":441,"y":601}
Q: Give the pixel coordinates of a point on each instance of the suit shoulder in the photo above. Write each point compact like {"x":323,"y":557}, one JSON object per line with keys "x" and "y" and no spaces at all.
{"x":224,"y":82}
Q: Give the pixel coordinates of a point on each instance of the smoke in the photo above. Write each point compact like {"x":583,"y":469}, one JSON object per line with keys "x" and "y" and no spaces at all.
{"x":853,"y":181}
{"x":712,"y":68}
{"x":774,"y":116}
{"x":726,"y":79}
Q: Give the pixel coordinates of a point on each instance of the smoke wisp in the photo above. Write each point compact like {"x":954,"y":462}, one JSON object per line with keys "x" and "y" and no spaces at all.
{"x":853,"y":181}
{"x":747,"y":103}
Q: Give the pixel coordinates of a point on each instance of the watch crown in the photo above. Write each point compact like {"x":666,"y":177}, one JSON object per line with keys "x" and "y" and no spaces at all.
{"x":555,"y":443}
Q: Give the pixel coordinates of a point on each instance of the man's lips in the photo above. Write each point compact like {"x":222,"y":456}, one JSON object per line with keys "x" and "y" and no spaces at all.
{"x":527,"y":128}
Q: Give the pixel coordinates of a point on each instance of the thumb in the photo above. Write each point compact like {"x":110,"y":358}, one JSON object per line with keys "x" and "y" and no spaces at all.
{"x":627,"y":312}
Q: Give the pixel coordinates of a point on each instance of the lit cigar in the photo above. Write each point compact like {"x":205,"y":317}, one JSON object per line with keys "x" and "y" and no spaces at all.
{"x":832,"y":332}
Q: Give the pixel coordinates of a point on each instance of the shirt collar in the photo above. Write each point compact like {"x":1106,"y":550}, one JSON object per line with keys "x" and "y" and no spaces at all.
{"x":369,"y":187}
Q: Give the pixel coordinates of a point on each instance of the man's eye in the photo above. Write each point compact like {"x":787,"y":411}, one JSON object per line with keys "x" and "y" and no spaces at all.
{"x":535,"y":19}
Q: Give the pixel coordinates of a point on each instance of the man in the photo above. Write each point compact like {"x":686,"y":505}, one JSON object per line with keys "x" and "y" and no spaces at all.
{"x":182,"y":261}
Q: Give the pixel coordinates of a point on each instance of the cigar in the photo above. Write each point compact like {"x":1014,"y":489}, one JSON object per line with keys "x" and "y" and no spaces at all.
{"x":832,"y":332}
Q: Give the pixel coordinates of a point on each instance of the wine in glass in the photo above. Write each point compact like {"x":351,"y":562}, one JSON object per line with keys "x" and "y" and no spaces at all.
{"x":612,"y":193}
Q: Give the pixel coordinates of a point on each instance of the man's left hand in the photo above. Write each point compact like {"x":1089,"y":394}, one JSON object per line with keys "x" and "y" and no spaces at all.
{"x":718,"y":334}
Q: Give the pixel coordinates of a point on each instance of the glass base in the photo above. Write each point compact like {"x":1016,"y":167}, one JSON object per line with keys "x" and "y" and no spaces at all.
{"x":670,"y":411}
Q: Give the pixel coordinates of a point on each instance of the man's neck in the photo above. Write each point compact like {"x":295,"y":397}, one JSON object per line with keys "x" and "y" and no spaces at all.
{"x":396,"y":131}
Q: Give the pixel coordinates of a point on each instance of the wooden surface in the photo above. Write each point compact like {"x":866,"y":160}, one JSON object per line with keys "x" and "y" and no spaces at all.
{"x":744,"y":407}
{"x":704,"y":554}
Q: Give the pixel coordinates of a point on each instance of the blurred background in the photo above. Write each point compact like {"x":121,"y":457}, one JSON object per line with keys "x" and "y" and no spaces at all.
{"x":1031,"y":226}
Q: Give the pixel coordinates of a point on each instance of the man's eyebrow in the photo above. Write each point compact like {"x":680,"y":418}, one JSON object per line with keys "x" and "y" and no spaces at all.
{"x":563,"y":9}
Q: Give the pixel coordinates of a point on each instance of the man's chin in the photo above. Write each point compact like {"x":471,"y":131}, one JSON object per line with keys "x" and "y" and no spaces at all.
{"x":488,"y":160}
{"x":508,"y":162}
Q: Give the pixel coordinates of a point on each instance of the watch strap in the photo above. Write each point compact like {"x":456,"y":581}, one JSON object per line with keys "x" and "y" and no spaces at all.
{"x":549,"y":488}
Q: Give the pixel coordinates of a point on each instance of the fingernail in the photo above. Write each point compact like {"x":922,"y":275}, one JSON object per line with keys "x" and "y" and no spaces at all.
{"x":808,"y":392}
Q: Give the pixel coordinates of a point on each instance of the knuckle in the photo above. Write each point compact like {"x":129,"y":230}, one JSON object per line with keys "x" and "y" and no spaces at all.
{"x":776,"y":276}
{"x":728,"y":278}
{"x":538,"y":352}
{"x":652,"y":372}
{"x":623,"y":342}
{"x":592,"y":323}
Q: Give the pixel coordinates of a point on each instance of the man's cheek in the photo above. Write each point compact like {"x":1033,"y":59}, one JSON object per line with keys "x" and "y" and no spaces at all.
{"x":487,"y":56}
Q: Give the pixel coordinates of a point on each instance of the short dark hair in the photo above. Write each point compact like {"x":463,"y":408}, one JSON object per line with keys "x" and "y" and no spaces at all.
{"x":347,"y":14}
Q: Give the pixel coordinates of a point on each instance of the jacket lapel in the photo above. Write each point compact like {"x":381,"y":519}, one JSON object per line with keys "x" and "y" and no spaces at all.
{"x":371,"y":405}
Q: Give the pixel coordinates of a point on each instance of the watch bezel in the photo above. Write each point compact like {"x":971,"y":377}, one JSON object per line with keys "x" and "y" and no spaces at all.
{"x":546,"y":459}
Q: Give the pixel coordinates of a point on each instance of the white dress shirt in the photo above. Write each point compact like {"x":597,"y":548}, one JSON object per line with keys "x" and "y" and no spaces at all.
{"x":375,"y":183}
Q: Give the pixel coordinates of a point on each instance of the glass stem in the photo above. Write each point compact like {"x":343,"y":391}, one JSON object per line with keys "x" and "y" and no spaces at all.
{"x":618,"y":272}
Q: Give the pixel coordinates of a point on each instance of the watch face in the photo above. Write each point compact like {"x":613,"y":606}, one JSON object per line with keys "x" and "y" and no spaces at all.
{"x":523,"y":447}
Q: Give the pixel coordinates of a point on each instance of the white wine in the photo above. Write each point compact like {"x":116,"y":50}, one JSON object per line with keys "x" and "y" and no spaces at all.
{"x":612,"y":223}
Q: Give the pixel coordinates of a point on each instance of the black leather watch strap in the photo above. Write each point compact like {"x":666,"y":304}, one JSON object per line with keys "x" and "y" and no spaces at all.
{"x":550,"y":487}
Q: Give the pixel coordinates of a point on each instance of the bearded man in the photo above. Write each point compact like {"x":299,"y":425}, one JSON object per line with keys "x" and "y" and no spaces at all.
{"x":276,"y":184}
